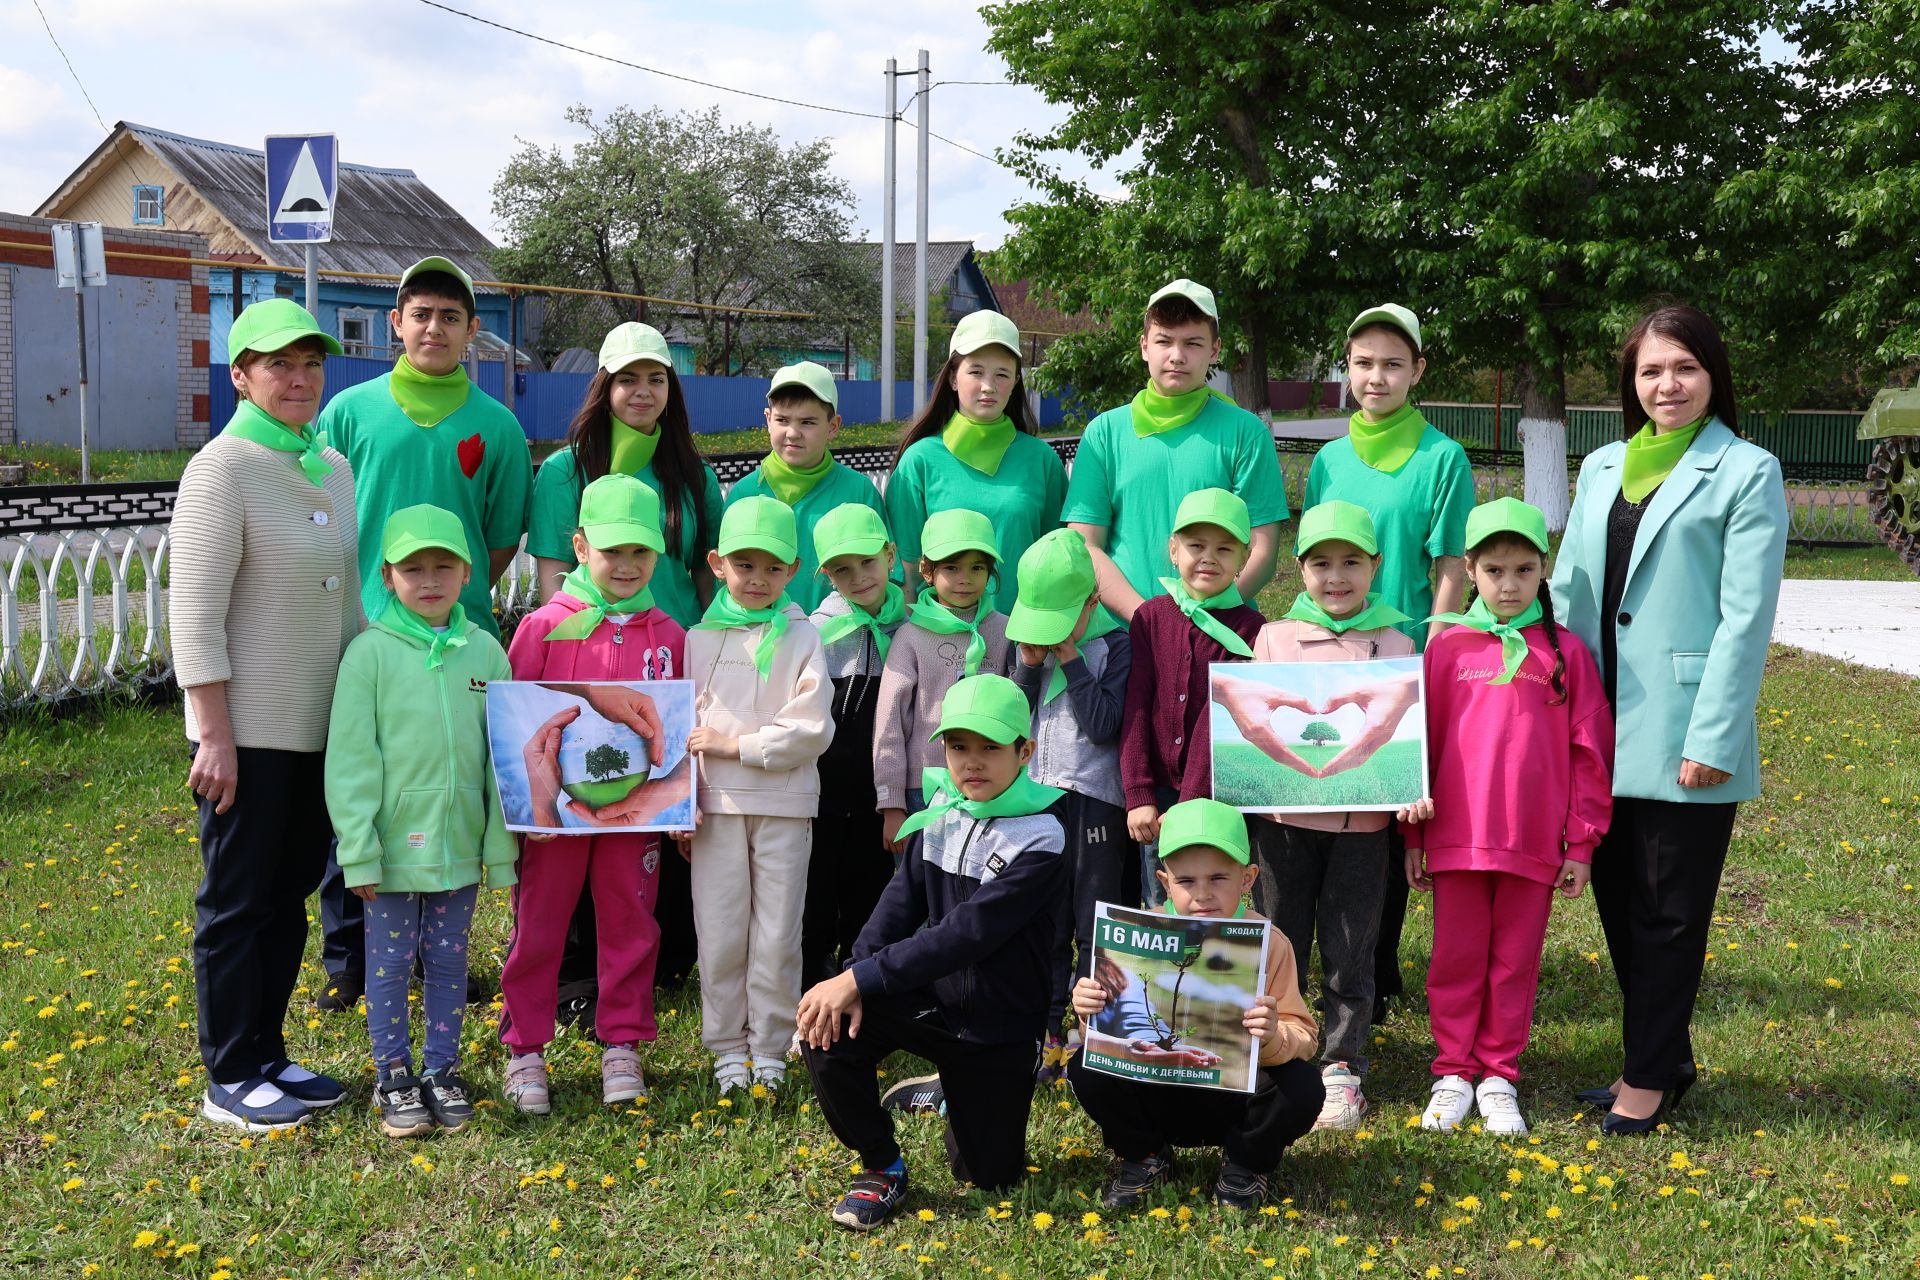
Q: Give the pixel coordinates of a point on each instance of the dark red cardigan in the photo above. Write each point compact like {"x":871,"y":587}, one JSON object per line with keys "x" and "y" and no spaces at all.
{"x":1164,"y":732}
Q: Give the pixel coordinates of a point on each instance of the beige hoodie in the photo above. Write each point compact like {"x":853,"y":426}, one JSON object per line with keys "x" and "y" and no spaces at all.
{"x":783,"y":722}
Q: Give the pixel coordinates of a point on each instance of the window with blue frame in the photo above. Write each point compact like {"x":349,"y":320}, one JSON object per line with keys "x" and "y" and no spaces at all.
{"x":148,"y":205}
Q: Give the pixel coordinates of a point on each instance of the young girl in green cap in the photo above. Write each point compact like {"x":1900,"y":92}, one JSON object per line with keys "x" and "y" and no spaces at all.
{"x":953,"y":631}
{"x":410,"y":790}
{"x":973,"y":448}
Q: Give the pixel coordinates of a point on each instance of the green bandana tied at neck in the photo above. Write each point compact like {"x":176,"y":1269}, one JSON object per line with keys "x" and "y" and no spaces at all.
{"x":725,"y":613}
{"x":1239,"y":910}
{"x":580,"y":585}
{"x":790,"y":483}
{"x":893,"y":612}
{"x":1513,"y":645}
{"x":1154,"y":411}
{"x":251,"y":422}
{"x":1386,"y":445}
{"x":936,"y":617}
{"x":1200,"y":614}
{"x":1651,"y":458}
{"x":981,"y":445}
{"x":1098,"y":624}
{"x":425,"y":398}
{"x":1376,"y":614}
{"x":631,"y":448}
{"x":1021,"y":799}
{"x":409,"y":623}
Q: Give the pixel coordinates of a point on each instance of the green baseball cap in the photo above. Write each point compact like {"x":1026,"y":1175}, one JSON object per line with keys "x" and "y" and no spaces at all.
{"x":984,"y":329}
{"x":1215,"y":506}
{"x":811,"y":377}
{"x":850,"y":529}
{"x":1335,"y":520}
{"x":1056,"y":577}
{"x":441,"y":264}
{"x":957,"y":529}
{"x":1202,"y":822}
{"x":274,"y":323}
{"x":1198,"y":294}
{"x":412,"y":529}
{"x":991,"y":706}
{"x":1389,"y":313}
{"x":619,"y":511}
{"x":1507,"y":515}
{"x":632,"y":341}
{"x":760,"y":524}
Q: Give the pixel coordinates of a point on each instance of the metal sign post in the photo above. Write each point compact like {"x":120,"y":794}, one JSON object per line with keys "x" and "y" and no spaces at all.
{"x":80,"y":263}
{"x":303,"y":182}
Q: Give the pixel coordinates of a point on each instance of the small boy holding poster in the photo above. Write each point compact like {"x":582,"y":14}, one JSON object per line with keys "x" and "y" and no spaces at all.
{"x":1205,"y":870}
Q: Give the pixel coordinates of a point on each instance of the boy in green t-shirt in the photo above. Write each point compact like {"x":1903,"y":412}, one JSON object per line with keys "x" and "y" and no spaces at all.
{"x":803,"y":417}
{"x":1176,"y":437}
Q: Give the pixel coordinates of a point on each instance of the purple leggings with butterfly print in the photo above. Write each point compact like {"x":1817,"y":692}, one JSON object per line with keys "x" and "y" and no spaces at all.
{"x":432,"y":926}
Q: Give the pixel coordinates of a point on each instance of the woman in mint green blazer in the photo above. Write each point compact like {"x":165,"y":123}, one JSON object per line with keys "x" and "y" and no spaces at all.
{"x":1670,"y":571}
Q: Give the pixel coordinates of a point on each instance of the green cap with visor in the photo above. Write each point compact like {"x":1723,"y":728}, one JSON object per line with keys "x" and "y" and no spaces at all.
{"x":850,"y":529}
{"x":417,"y":528}
{"x":760,"y":524}
{"x":1336,"y":521}
{"x":626,"y":343}
{"x":955,"y":530}
{"x":1198,"y":294}
{"x":446,"y":265}
{"x":273,"y":323}
{"x":991,"y":706}
{"x":1507,"y":515}
{"x":811,"y":378}
{"x":1393,"y":314}
{"x":621,"y":511}
{"x":1056,"y":578}
{"x":985,"y":329}
{"x":1215,"y":506}
{"x":1203,"y":822}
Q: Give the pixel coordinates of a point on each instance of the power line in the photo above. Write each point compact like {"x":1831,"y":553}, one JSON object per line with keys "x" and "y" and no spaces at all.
{"x":69,"y":61}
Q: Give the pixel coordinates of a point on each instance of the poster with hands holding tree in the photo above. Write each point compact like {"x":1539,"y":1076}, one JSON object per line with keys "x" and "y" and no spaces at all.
{"x":1315,"y":737}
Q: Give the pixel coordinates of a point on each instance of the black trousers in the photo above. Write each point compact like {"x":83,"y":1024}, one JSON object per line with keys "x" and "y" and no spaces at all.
{"x":343,"y":949}
{"x":673,"y":909}
{"x":1101,"y":861}
{"x":989,"y":1090}
{"x":1655,"y":877}
{"x":1387,"y":979}
{"x":261,"y":859}
{"x":1252,"y":1130}
{"x":848,"y":872}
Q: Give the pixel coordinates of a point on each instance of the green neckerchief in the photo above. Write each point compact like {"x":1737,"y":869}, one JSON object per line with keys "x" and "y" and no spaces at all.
{"x":1513,"y":645}
{"x":630,"y":448}
{"x":981,"y":445}
{"x":1240,"y":909}
{"x":1376,"y":614}
{"x":1022,"y":797}
{"x":790,"y":483}
{"x":580,"y":585}
{"x":726,"y":613}
{"x":410,"y":624}
{"x":1154,"y":411}
{"x":1386,"y":445}
{"x":893,"y":612}
{"x":1098,"y":624}
{"x":251,"y":422}
{"x":425,"y":398}
{"x":936,"y":617}
{"x":1651,"y":457}
{"x":1200,"y":614}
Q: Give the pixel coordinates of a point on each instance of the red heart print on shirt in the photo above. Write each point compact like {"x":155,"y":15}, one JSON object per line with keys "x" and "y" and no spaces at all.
{"x":471,"y":450}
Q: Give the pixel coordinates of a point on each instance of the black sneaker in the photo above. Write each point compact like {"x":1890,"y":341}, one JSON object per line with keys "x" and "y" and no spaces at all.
{"x":341,"y":993}
{"x":1133,"y":1180}
{"x":403,"y":1109}
{"x":871,"y":1200}
{"x":446,"y":1097}
{"x":1239,"y":1187}
{"x":920,"y":1095}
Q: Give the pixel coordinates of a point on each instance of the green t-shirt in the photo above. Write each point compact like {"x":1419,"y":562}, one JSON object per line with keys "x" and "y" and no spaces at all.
{"x":841,"y":485}
{"x":1131,"y":485}
{"x":1419,"y":512}
{"x":556,"y":514}
{"x":473,"y":462}
{"x":1022,"y":499}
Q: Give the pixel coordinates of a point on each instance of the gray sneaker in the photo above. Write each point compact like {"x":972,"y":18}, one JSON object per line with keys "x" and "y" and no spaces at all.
{"x":620,"y":1077}
{"x":403,"y":1108}
{"x":446,"y":1097}
{"x":526,"y":1085}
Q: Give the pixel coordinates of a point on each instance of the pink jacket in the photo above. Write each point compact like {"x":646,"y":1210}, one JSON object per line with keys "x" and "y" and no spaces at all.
{"x":1518,"y":785}
{"x":1290,"y":640}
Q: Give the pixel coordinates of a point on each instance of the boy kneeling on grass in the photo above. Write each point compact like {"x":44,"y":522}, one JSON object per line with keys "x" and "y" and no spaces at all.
{"x":1204,"y":868}
{"x":955,"y":963}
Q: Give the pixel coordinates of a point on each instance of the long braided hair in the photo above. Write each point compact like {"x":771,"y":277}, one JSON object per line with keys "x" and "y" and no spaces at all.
{"x":1559,"y":677}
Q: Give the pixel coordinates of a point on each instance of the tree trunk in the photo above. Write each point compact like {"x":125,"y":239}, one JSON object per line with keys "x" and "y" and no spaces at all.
{"x":1250,"y":375}
{"x":1543,"y":437}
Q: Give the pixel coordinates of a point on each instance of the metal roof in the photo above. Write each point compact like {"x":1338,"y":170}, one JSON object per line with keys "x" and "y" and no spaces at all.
{"x":944,"y":257}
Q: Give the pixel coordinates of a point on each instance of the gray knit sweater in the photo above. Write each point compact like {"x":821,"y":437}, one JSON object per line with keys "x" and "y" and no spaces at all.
{"x":921,"y":666}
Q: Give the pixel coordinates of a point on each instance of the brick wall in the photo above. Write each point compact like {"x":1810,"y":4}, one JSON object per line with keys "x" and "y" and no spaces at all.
{"x":8,"y":432}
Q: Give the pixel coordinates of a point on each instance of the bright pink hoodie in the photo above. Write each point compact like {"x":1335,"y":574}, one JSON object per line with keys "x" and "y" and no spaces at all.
{"x":650,"y":646}
{"x":1518,"y":784}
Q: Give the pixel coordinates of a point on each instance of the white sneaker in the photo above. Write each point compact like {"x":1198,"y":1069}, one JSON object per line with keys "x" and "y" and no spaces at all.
{"x":1451,"y":1103}
{"x":730,"y":1072}
{"x":1345,"y":1103}
{"x":1500,"y":1107}
{"x":771,"y":1076}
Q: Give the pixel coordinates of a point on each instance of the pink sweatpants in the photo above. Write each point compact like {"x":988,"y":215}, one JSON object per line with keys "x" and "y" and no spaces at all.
{"x":625,"y":871}
{"x":1488,"y":928}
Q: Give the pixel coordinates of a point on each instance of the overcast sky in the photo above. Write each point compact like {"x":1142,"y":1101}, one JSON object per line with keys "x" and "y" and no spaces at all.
{"x":409,"y":86}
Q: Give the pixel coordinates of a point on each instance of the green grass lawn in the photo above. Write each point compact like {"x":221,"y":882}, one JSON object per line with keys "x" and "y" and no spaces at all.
{"x":1244,"y":774}
{"x":1795,"y":1155}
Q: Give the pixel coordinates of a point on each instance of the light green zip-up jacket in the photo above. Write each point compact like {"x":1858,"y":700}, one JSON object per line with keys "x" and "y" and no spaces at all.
{"x":409,"y":784}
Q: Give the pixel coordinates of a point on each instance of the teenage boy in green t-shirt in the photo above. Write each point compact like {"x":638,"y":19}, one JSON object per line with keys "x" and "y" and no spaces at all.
{"x":803,"y":417}
{"x":1135,"y":463}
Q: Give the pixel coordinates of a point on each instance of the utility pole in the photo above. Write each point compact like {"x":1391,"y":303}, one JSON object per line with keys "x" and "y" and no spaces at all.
{"x":887,"y":373}
{"x":920,"y":250}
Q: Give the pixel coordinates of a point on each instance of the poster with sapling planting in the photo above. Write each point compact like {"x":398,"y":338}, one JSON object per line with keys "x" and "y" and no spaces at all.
{"x":1177,"y":988}
{"x":580,"y":757}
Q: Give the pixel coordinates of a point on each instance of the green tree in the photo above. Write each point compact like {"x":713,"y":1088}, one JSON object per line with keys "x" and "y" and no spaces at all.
{"x":607,"y":761}
{"x":1319,"y":733}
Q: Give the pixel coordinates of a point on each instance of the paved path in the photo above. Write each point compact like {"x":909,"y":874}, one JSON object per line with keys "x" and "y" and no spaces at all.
{"x":1876,"y":624}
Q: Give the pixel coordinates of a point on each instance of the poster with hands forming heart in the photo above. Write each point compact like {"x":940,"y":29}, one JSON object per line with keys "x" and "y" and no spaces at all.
{"x":1317,"y":737}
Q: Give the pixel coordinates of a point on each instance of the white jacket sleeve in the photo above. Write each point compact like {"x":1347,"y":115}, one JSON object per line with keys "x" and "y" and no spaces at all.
{"x":802,"y":729}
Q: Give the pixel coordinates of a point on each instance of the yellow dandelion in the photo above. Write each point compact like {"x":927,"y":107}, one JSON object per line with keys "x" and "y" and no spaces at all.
{"x":72,"y":1184}
{"x":1553,"y":1211}
{"x":926,"y":1215}
{"x":146,"y":1240}
{"x":1470,"y":1203}
{"x":1899,"y":1179}
{"x":1042,"y":1221}
{"x":1089,"y":1219}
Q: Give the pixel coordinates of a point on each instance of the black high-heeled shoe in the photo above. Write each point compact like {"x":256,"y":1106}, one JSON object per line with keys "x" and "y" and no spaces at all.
{"x":1688,"y":1074}
{"x":1601,"y":1097}
{"x":1614,"y":1126}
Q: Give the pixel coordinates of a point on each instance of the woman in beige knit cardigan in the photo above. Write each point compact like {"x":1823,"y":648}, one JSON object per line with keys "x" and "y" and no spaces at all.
{"x":264,"y":597}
